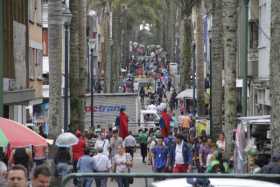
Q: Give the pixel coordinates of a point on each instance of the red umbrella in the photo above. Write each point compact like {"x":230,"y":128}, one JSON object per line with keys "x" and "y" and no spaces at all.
{"x":18,"y":135}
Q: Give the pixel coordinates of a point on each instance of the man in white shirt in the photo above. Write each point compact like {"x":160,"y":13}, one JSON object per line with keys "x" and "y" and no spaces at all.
{"x":103,"y":143}
{"x":102,"y":163}
{"x":130,"y":144}
{"x":181,"y":156}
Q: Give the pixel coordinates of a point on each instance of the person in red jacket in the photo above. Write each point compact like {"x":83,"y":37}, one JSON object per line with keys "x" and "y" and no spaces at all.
{"x":123,"y":124}
{"x":78,"y":150}
{"x":164,"y":123}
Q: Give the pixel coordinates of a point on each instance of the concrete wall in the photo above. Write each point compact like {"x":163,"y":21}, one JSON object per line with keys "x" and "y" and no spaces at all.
{"x":19,"y":38}
{"x":264,"y":41}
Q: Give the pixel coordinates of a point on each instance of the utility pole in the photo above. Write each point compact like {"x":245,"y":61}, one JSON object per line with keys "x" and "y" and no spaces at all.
{"x":194,"y":78}
{"x":1,"y":54}
{"x":108,"y":74}
{"x":91,"y":89}
{"x":67,"y":16}
{"x":66,"y":85}
{"x":244,"y":56}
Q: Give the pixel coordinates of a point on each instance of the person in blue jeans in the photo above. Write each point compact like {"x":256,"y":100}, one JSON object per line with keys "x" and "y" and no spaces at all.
{"x":86,"y":165}
{"x":159,"y":156}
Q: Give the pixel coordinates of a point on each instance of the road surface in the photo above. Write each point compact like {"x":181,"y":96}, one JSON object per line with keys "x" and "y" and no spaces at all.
{"x":138,"y":166}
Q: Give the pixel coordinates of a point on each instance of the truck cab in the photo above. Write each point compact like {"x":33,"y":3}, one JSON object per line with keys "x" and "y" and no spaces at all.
{"x":149,"y":119}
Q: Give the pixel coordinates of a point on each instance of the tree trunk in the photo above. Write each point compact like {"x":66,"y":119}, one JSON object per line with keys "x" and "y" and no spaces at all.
{"x":200,"y":59}
{"x":82,"y":62}
{"x":217,"y":67}
{"x":107,"y":45}
{"x":185,"y":73}
{"x":172,"y":22}
{"x":274,"y":75}
{"x":116,"y":49}
{"x":74,"y":67}
{"x":230,"y":52}
{"x":55,"y":23}
{"x":125,"y":39}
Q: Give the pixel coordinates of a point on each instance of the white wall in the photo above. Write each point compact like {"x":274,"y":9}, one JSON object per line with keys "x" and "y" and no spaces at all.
{"x":264,"y":38}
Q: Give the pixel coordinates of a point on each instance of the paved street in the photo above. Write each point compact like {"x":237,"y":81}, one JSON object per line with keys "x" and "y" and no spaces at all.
{"x":138,"y":166}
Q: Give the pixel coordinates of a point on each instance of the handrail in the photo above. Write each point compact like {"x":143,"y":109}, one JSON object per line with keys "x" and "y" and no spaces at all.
{"x":265,"y":177}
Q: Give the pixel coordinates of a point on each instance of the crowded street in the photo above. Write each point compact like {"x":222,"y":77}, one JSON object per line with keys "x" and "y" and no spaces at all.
{"x":140,"y":93}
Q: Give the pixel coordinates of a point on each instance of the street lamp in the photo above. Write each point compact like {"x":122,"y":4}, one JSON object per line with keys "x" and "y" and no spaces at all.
{"x":67,"y":16}
{"x":92,"y":46}
{"x":194,"y":77}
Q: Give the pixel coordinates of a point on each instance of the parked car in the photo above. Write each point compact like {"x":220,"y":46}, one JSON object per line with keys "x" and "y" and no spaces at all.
{"x":216,"y":182}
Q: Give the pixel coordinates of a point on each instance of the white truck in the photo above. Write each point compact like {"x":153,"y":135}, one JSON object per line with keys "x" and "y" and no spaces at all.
{"x":107,"y":107}
{"x":149,"y":119}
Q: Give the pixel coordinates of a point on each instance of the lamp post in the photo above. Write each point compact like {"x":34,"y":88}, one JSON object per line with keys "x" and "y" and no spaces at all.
{"x":67,"y":16}
{"x":244,"y":57}
{"x":92,"y":45}
{"x":194,"y":78}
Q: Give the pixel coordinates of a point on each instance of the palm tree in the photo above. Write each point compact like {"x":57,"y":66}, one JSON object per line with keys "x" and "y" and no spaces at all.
{"x":230,"y":52}
{"x":82,"y":61}
{"x":217,"y":67}
{"x":200,"y":58}
{"x":186,"y":54}
{"x":74,"y":66}
{"x":55,"y":62}
{"x":274,"y":74}
{"x":116,"y":49}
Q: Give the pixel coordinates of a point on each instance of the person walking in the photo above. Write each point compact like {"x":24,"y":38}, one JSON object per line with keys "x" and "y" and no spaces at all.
{"x":221,"y":143}
{"x":273,"y":167}
{"x":17,"y":176}
{"x":78,"y":151}
{"x":159,"y":156}
{"x":103,"y":143}
{"x":130,"y":144}
{"x":204,"y":150}
{"x":181,"y":156}
{"x":41,"y":177}
{"x":21,"y":156}
{"x":123,"y":124}
{"x":164,"y":123}
{"x":170,"y":141}
{"x":86,"y":165}
{"x":102,"y":164}
{"x":142,"y":95}
{"x":143,"y":140}
{"x":122,"y":163}
{"x":62,"y":161}
{"x":115,"y":141}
